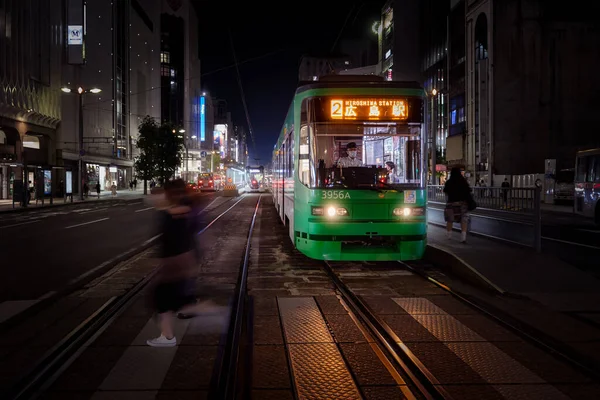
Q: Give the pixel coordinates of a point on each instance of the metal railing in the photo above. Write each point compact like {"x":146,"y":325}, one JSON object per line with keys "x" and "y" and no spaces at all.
{"x":520,"y":200}
{"x":509,"y":214}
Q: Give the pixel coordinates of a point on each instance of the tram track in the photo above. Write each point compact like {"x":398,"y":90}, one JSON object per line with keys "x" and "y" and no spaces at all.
{"x":59,"y":357}
{"x":396,"y":353}
{"x":409,"y":365}
{"x":526,"y":332}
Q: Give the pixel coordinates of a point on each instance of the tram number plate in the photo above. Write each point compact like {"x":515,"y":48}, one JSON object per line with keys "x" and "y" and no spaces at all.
{"x":332,"y":194}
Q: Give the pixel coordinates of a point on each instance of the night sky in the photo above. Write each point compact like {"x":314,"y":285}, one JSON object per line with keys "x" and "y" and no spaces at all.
{"x":276,"y":34}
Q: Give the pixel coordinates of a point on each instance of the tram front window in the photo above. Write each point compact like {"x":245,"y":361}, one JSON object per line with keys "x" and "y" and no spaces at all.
{"x":361,"y":155}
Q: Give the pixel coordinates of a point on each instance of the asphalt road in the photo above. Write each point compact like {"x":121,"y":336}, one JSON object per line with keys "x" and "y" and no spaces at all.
{"x":42,"y":250}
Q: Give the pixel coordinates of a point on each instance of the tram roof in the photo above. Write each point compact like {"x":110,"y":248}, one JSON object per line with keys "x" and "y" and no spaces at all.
{"x":355,"y":81}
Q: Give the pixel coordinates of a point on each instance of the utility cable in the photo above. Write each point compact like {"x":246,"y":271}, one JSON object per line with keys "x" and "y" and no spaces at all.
{"x":239,"y":80}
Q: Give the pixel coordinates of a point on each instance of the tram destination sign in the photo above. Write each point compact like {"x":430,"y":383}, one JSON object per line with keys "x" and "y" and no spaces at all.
{"x":368,"y":109}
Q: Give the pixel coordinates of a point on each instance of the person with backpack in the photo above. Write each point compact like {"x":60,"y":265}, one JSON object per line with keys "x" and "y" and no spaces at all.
{"x":458,"y":204}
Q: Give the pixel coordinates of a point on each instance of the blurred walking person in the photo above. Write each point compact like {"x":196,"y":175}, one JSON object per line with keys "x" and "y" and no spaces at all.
{"x":174,"y":284}
{"x":458,"y":194}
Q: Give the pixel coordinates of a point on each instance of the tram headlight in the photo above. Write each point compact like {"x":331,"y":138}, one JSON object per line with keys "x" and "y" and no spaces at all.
{"x":409,"y":211}
{"x":330,"y":211}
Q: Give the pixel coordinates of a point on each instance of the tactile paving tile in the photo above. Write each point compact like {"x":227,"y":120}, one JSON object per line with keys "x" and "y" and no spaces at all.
{"x":530,"y":392}
{"x":418,"y":306}
{"x":446,"y":328}
{"x":302,"y":321}
{"x":320,"y":372}
{"x":492,"y":364}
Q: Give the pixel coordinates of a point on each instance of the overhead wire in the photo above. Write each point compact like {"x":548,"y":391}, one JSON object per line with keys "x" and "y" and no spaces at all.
{"x":205,"y":73}
{"x":239,"y":81}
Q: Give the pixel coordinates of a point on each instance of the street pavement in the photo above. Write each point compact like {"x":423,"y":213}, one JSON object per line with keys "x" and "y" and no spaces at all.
{"x":45,"y":249}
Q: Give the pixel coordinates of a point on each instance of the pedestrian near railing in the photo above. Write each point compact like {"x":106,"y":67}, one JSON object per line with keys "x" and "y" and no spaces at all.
{"x":511,"y":208}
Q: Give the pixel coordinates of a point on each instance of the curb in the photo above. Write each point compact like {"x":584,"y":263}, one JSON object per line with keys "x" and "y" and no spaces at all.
{"x":448,"y":261}
{"x":76,"y":283}
{"x":93,"y":201}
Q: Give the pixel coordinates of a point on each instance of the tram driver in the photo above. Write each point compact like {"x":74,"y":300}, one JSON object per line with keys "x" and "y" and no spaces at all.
{"x":350,"y":160}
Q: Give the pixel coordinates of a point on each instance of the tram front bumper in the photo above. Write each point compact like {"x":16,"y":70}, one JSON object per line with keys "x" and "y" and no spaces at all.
{"x":364,"y":241}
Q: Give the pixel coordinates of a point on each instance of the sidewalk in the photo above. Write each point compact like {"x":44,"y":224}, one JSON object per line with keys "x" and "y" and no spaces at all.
{"x":551,"y":296}
{"x":7,"y":205}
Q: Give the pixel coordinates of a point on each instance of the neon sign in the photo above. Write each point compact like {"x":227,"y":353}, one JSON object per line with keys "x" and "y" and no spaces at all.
{"x":372,"y":109}
{"x":202,"y":118}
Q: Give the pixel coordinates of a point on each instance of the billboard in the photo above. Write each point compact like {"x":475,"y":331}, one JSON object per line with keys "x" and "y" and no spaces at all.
{"x":76,"y":30}
{"x":221,"y":134}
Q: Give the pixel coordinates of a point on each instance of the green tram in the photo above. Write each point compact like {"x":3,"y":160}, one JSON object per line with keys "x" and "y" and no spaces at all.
{"x":349,"y":170}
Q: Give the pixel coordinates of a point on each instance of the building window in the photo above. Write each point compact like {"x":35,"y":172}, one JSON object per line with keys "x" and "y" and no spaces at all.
{"x":165,"y":57}
{"x":173,"y":74}
{"x":165,"y":71}
{"x":31,"y":142}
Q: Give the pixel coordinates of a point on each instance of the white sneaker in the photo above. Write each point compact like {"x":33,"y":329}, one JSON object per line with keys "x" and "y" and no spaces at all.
{"x":162,"y":341}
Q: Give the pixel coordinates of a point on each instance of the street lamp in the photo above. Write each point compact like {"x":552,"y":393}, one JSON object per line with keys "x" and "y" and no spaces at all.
{"x":375,"y":27}
{"x":80,"y":92}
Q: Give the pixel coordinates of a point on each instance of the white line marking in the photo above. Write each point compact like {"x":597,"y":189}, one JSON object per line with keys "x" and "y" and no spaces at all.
{"x":87,"y":223}
{"x":589,"y":230}
{"x":571,"y":243}
{"x":47,"y":295}
{"x":144,"y":209}
{"x":9,"y":309}
{"x":22,"y":223}
{"x":92,"y":211}
{"x":91,"y":271}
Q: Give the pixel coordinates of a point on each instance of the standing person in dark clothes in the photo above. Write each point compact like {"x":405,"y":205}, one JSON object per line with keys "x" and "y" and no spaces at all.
{"x":458,"y":192}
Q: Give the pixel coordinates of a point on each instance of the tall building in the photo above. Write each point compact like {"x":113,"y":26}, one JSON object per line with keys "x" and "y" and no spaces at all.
{"x":118,"y":73}
{"x":31,"y":51}
{"x":456,"y":85}
{"x":434,"y":51}
{"x":512,"y":81}
{"x":181,"y":94}
{"x":399,"y":41}
{"x":530,"y":65}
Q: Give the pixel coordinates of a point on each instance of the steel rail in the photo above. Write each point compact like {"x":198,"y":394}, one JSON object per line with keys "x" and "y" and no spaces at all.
{"x":398,"y":353}
{"x":227,"y":379}
{"x":59,"y":357}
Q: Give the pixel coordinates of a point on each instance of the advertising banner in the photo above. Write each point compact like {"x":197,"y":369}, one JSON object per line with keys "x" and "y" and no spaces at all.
{"x":47,"y":182}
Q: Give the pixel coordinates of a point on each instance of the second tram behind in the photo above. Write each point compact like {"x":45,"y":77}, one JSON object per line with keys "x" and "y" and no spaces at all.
{"x":349,"y":170}
{"x":255,"y":179}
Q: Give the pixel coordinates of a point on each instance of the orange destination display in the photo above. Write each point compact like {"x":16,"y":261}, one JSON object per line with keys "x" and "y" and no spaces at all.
{"x":368,"y":109}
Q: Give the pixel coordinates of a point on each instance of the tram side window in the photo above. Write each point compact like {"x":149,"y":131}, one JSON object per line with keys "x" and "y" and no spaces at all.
{"x":597,"y":169}
{"x":289,"y":156}
{"x":304,"y":157}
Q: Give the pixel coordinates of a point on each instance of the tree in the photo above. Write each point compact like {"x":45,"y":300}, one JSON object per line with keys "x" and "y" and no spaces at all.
{"x":169,"y":152}
{"x":161,"y":150}
{"x":145,"y":163}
